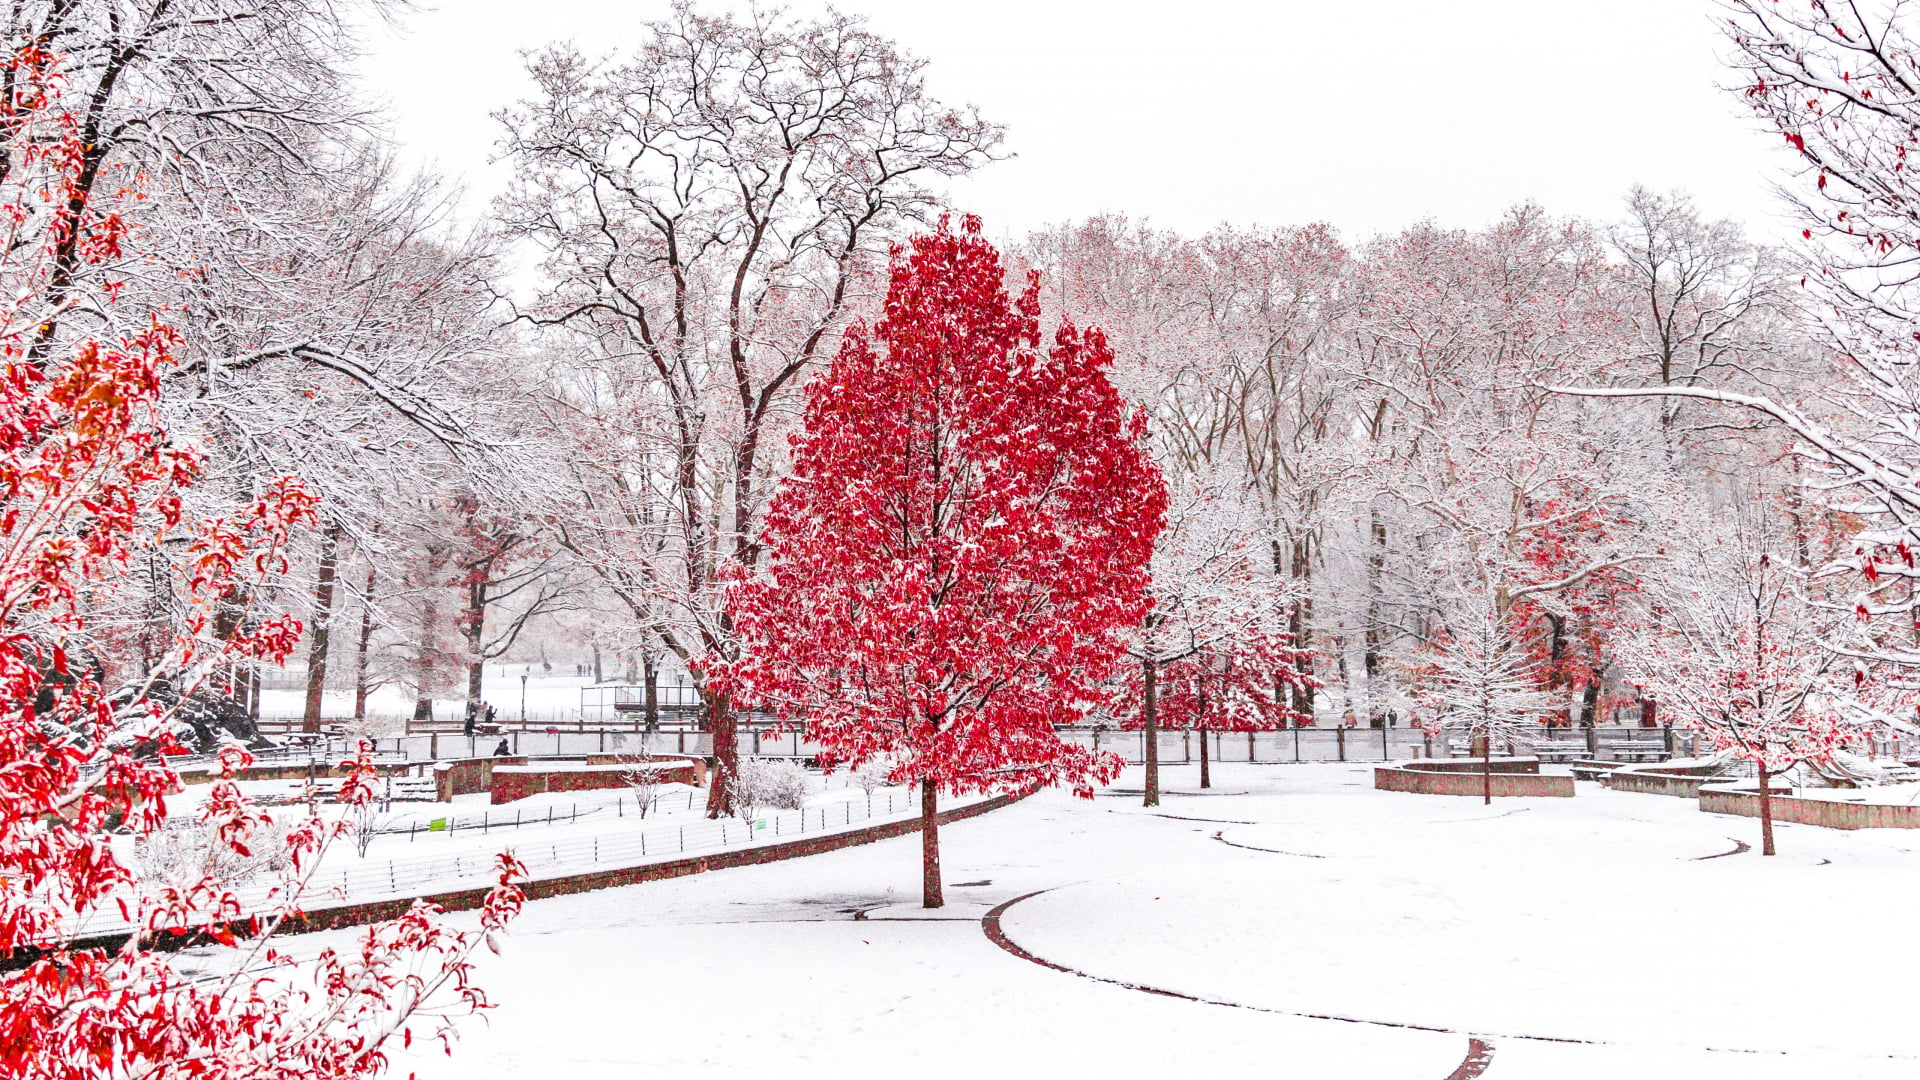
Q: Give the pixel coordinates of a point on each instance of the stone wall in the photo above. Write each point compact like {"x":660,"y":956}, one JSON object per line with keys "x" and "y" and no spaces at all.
{"x":1680,"y":781}
{"x":1472,"y":765}
{"x":467,"y":776}
{"x":191,"y":777}
{"x":1512,"y":782}
{"x":511,"y":783}
{"x":1822,"y":812}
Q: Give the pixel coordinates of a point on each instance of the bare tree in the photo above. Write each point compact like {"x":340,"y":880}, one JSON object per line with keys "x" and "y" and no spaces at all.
{"x":709,"y":208}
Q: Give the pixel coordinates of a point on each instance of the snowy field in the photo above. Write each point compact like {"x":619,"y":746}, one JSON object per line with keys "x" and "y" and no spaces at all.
{"x":1324,"y":923}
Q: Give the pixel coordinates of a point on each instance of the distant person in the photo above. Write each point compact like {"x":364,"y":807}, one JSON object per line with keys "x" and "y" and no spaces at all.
{"x":491,"y":715}
{"x":466,"y":728}
{"x":503,"y":750}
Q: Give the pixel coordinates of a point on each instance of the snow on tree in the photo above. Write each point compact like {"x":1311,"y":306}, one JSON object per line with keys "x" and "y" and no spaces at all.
{"x":1837,"y":83}
{"x":1732,"y":647}
{"x":92,"y":481}
{"x":962,"y":544}
{"x":1212,"y":653}
{"x":709,"y":207}
{"x":1480,"y":684}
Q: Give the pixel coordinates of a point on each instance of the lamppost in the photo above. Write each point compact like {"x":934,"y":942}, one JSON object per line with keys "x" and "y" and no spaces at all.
{"x":523,"y":699}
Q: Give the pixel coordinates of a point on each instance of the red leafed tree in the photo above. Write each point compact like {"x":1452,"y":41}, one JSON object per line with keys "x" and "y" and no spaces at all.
{"x":1237,"y":683}
{"x":962,"y":544}
{"x":92,"y":482}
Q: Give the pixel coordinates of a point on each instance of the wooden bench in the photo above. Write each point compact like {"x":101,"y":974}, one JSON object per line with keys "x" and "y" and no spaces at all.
{"x":1637,"y":750}
{"x":1560,"y":751}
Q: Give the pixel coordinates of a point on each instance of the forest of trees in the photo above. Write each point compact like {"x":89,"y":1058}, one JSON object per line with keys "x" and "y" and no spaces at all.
{"x":720,"y":382}
{"x":556,"y":431}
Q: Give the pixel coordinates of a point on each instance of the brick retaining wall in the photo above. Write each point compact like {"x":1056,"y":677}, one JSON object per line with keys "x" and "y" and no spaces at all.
{"x":467,"y":776}
{"x":699,"y":763}
{"x":1472,"y":765}
{"x":1822,"y":812}
{"x":511,"y":783}
{"x":1475,"y":783}
{"x":1680,"y":781}
{"x":278,"y":772}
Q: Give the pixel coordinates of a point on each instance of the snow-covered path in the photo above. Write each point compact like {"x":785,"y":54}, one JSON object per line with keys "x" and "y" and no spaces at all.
{"x":1307,"y":894}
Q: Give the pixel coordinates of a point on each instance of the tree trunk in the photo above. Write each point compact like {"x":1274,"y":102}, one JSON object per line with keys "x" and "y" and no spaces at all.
{"x":1766,"y":812}
{"x":930,"y":845}
{"x":253,"y":699}
{"x":653,"y":692}
{"x":1150,"y":729}
{"x":476,"y":630}
{"x":360,"y":657}
{"x":726,"y":755}
{"x":1486,"y":769}
{"x":1301,"y":622}
{"x":322,"y":632}
{"x":1376,"y":634}
{"x":1206,"y":775}
{"x":426,"y":662}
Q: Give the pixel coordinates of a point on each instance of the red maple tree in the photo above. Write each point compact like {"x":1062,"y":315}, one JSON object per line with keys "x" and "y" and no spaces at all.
{"x":964,"y":539}
{"x":91,"y":482}
{"x":1237,"y":683}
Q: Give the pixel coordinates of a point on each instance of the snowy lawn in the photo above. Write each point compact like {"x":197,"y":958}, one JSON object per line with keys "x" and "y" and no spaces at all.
{"x":1293,"y":890}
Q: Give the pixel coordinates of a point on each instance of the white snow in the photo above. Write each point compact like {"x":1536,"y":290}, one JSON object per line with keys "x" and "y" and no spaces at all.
{"x":1594,"y":918}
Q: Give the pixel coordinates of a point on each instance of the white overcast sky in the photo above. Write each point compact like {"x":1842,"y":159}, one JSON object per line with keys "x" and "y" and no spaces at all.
{"x":1369,"y":114}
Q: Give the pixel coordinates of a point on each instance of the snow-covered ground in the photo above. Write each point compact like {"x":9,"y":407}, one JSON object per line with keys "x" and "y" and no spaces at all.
{"x":1290,"y":893}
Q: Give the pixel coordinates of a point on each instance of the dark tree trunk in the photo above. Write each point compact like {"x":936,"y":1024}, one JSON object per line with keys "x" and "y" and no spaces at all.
{"x":361,"y":657}
{"x":1301,"y":622}
{"x":1376,"y":635}
{"x":476,"y":630}
{"x":426,"y":662}
{"x":322,"y":632}
{"x":726,"y":754}
{"x":653,"y":692}
{"x":1486,"y":768}
{"x":1766,"y":812}
{"x":1206,"y":775}
{"x":1150,"y":730}
{"x":930,"y":895}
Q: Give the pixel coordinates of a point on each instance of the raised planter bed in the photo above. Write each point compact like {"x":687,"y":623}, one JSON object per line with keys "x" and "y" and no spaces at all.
{"x":1679,"y":781}
{"x":1511,"y":777}
{"x":1826,"y":813}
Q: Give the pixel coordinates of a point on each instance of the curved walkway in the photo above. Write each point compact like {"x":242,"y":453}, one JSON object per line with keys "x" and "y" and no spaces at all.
{"x":1479,"y":1051}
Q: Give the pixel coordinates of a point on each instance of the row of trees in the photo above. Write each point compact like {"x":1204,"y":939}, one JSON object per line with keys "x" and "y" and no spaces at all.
{"x":1375,"y":475}
{"x":1523,"y":474}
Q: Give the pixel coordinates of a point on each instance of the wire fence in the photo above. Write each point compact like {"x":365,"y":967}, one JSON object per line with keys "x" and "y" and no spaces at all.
{"x":345,"y":880}
{"x":489,"y":821}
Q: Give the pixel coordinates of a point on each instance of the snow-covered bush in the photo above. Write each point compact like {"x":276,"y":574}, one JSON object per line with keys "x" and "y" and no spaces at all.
{"x":871,"y":776}
{"x":644,"y":778}
{"x":186,"y":850}
{"x":771,"y":783}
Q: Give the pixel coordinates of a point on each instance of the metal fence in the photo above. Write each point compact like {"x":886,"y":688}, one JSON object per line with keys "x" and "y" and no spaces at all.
{"x":1180,"y":747}
{"x":1176,"y":746}
{"x":344,"y":881}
